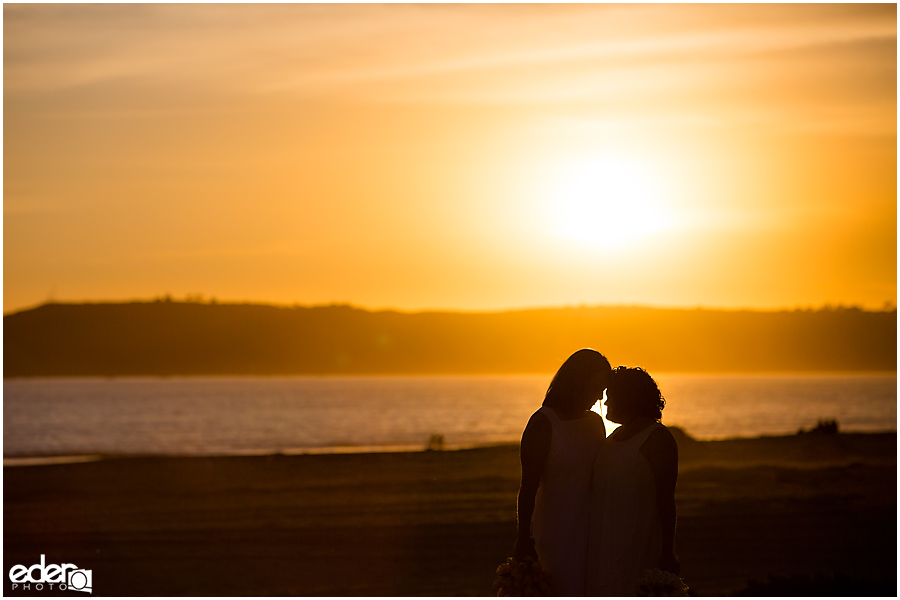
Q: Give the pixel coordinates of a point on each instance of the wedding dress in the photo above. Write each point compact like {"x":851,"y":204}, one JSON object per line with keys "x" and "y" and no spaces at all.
{"x":625,"y":535}
{"x":560,"y":522}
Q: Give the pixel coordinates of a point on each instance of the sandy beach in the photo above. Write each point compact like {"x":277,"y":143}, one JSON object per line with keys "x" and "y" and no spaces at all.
{"x":821,"y":509}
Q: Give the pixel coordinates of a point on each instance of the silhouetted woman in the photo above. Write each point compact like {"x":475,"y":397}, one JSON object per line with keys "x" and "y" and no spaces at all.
{"x":632,"y":518}
{"x":558,"y":448}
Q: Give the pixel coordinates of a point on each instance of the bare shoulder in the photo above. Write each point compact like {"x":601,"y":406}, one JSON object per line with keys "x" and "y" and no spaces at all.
{"x":536,"y":439}
{"x":661,"y":441}
{"x":538,"y":422}
{"x":538,"y":429}
{"x":661,"y":451}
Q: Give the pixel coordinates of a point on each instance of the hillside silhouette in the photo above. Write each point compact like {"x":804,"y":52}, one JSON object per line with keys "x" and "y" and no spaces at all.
{"x":193,"y":338}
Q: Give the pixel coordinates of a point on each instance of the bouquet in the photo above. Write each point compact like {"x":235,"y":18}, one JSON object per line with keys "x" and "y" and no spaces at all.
{"x":521,"y":578}
{"x":656,"y":582}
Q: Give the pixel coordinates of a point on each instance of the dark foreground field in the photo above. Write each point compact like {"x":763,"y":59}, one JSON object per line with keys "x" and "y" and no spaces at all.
{"x":808,"y":515}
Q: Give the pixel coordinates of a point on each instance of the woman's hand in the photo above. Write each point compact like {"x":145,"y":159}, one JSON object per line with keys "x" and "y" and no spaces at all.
{"x":669,"y":562}
{"x":524,"y":547}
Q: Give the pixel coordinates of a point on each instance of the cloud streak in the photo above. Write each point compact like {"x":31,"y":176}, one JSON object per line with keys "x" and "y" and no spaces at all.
{"x":299,"y":47}
{"x":658,"y":60}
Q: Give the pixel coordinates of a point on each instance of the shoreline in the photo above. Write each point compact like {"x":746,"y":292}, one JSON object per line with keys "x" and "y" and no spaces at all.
{"x":59,"y":459}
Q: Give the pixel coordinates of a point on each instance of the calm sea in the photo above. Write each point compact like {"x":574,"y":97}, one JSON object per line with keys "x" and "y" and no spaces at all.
{"x":257,"y":415}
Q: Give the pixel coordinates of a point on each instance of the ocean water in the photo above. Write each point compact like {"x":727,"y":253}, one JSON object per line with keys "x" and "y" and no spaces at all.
{"x":261,"y":415}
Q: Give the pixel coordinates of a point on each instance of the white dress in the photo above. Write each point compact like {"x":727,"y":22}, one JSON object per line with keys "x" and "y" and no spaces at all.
{"x":625,"y":533}
{"x":561,"y":506}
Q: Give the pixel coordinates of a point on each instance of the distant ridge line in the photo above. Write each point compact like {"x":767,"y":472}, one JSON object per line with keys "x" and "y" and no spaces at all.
{"x":581,"y":306}
{"x":165,"y":337}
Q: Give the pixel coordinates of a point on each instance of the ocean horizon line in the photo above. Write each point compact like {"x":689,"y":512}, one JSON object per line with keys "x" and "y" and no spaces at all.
{"x":887,"y":306}
{"x":437,"y":374}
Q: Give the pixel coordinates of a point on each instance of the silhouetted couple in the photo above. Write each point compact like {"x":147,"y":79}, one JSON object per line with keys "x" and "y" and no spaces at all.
{"x":602,"y":510}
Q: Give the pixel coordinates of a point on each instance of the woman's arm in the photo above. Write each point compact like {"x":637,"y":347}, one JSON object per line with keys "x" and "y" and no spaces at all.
{"x":533,"y":453}
{"x":662,"y":453}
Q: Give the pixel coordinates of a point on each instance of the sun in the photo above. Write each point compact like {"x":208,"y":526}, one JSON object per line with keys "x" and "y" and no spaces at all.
{"x":606,"y":202}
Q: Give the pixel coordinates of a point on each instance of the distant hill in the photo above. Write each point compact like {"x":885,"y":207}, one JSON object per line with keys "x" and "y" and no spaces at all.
{"x":192,"y":338}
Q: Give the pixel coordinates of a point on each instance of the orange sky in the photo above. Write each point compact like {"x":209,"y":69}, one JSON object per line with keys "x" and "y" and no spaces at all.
{"x":451,"y":156}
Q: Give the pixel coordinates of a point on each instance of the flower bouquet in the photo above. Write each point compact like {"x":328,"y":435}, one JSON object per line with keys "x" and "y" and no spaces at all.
{"x":656,"y":582}
{"x":521,"y":578}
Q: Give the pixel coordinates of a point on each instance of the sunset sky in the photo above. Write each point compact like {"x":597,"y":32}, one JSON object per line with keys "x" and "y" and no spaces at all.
{"x":474,"y":157}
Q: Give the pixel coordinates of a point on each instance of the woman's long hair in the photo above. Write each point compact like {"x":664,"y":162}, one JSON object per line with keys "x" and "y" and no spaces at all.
{"x":569,"y":386}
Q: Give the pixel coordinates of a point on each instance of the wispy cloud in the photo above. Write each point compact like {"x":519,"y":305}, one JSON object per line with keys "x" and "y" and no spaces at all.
{"x":298,"y":47}
{"x":283,"y":248}
{"x":653,"y":58}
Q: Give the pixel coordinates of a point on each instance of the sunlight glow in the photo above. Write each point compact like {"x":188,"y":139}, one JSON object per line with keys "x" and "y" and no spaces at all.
{"x":606,"y":202}
{"x":457,"y":157}
{"x":600,"y":409}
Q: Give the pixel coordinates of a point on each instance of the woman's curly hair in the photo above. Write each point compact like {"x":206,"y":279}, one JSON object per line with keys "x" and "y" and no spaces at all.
{"x":638,"y":390}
